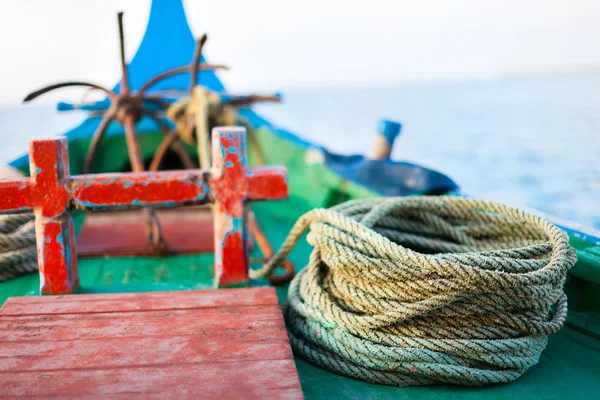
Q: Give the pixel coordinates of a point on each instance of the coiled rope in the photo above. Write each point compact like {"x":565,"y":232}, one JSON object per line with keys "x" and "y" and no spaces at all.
{"x":18,"y":254}
{"x":425,"y":290}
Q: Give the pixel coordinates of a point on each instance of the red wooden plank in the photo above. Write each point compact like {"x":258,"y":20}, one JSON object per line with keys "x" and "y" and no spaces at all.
{"x":15,"y":195}
{"x":123,"y":302}
{"x":135,"y":324}
{"x":188,"y":346}
{"x":268,"y":183}
{"x":140,"y":189}
{"x":124,"y":233}
{"x":240,"y":345}
{"x":273,"y":379}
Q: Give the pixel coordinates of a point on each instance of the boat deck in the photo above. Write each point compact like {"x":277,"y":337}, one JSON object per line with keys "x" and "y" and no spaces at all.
{"x":568,"y":368}
{"x":209,"y":344}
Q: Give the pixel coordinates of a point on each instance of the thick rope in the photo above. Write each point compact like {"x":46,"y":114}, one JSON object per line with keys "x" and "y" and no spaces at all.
{"x":425,"y":290}
{"x":18,"y":254}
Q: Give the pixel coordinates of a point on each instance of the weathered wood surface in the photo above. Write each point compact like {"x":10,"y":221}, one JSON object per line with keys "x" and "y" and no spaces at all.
{"x":226,"y":344}
{"x":51,"y":192}
{"x":123,"y":233}
{"x":231,"y":211}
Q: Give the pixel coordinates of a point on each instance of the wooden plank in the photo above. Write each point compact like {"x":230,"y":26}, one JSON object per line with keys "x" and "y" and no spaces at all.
{"x":123,"y":302}
{"x":137,"y":189}
{"x":273,"y":379}
{"x":112,"y":352}
{"x":123,"y":233}
{"x":136,"y":324}
{"x":210,"y":344}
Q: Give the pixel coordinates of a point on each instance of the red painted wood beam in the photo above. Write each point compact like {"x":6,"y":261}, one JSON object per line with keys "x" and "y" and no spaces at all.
{"x":51,"y":192}
{"x":234,"y":186}
{"x":111,"y":191}
{"x":46,"y":193}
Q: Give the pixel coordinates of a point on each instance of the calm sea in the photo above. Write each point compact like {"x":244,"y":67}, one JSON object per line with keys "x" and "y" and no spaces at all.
{"x":532,"y":142}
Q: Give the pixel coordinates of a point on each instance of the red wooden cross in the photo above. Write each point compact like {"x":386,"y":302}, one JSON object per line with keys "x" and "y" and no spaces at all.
{"x":51,"y":192}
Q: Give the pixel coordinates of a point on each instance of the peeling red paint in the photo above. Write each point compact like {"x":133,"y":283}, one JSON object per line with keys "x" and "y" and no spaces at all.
{"x":234,"y":259}
{"x":15,"y":195}
{"x":268,"y":183}
{"x":51,"y":192}
{"x":50,"y":173}
{"x":148,"y":188}
{"x":231,"y":187}
{"x":234,"y":186}
{"x":53,"y":271}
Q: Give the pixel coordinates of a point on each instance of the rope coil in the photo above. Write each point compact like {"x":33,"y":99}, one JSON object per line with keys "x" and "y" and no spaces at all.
{"x":18,"y":253}
{"x":425,"y":290}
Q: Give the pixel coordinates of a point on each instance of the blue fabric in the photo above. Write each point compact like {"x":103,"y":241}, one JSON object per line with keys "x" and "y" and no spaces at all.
{"x":389,"y":178}
{"x":389,"y":130}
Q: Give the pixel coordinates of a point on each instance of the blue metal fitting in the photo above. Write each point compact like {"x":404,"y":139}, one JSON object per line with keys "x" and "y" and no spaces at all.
{"x":389,"y":130}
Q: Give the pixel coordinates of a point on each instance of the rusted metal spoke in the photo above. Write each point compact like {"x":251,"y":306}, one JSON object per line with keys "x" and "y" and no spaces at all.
{"x":244,"y":101}
{"x":160,"y":153}
{"x":158,"y":245}
{"x":196,"y":61}
{"x":166,"y":93}
{"x":124,"y":76}
{"x":157,"y":242}
{"x":163,"y":104}
{"x":133,"y":147}
{"x":50,"y":88}
{"x":171,"y":140}
{"x":96,"y":139}
{"x":175,"y":71}
{"x":253,"y":140}
{"x":267,"y":250}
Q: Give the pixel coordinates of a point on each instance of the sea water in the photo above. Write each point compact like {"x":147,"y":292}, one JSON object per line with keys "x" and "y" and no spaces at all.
{"x":531,"y":142}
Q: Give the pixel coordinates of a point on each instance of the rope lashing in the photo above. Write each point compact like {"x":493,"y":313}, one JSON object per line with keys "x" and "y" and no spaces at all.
{"x":18,"y":254}
{"x":425,"y":290}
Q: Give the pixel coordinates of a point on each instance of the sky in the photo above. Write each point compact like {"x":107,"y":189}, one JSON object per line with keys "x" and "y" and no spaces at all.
{"x":275,"y":44}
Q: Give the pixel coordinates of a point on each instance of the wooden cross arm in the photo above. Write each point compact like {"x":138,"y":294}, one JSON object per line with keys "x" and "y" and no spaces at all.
{"x":15,"y":196}
{"x":51,"y":192}
{"x":140,"y":189}
{"x":267,"y":183}
{"x":114,"y":191}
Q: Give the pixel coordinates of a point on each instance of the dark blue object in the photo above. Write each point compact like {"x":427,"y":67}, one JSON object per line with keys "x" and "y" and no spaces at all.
{"x":389,"y":130}
{"x":386,"y":177}
{"x":389,"y":178}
